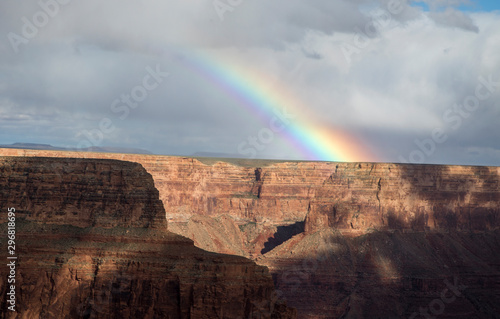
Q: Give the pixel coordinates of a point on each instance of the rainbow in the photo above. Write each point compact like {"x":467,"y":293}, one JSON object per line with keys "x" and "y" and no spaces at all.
{"x":263,"y":97}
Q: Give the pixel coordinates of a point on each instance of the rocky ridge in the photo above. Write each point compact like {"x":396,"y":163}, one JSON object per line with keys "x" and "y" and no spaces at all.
{"x":345,"y":240}
{"x":92,"y":242}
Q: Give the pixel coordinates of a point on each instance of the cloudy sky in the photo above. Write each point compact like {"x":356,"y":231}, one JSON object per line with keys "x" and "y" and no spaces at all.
{"x":397,"y":80}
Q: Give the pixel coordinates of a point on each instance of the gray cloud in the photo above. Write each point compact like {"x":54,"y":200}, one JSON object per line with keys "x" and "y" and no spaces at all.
{"x":454,"y":18}
{"x":396,"y":88}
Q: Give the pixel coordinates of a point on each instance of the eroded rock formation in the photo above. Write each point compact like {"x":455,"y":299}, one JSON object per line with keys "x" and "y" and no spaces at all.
{"x":345,"y":240}
{"x":354,"y":196}
{"x":92,"y":242}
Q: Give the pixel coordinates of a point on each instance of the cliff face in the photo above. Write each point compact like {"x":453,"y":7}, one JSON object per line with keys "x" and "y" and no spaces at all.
{"x":346,"y":240}
{"x":97,"y":193}
{"x":350,"y":196}
{"x":92,"y":242}
{"x":389,"y":274}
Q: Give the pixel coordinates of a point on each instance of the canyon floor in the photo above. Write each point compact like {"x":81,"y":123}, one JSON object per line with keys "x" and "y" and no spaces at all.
{"x":340,"y":240}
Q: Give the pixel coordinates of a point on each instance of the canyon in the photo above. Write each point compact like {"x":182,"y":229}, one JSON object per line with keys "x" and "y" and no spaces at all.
{"x":91,"y":241}
{"x":341,"y":240}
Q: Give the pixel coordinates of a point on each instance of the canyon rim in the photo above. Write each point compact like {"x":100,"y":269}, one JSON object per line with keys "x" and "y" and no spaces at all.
{"x":340,"y":240}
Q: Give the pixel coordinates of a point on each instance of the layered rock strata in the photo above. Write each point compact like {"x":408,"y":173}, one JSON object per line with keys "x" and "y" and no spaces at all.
{"x":350,"y":196}
{"x":345,"y":240}
{"x":91,"y":241}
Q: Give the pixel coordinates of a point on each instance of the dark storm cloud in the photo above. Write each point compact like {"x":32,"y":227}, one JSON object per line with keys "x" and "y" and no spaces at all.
{"x":61,"y":83}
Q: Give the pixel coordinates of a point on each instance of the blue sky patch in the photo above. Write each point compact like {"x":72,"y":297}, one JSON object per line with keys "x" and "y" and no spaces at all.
{"x":475,"y":6}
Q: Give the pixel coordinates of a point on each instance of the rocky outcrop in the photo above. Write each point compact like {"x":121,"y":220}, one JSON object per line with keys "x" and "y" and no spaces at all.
{"x":91,"y":241}
{"x":356,"y":196}
{"x":345,"y":240}
{"x":97,"y":193}
{"x":389,"y":274}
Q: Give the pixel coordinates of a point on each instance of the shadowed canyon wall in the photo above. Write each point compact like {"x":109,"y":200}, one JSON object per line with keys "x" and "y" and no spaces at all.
{"x":91,"y":241}
{"x":350,"y":196}
{"x":344,"y":240}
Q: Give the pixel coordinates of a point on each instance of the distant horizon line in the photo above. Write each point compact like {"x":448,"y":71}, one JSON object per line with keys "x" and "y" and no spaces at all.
{"x":220,"y":156}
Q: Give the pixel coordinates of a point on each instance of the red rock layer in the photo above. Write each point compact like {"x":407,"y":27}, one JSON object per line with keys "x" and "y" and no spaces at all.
{"x":389,"y":274}
{"x":392,"y":234}
{"x":355,"y":196}
{"x":97,"y":193}
{"x":91,"y":242}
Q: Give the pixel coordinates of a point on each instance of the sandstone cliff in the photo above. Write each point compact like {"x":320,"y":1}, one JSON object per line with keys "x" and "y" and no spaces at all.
{"x":97,"y":193}
{"x":355,"y":196}
{"x":92,"y":242}
{"x":344,"y":240}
